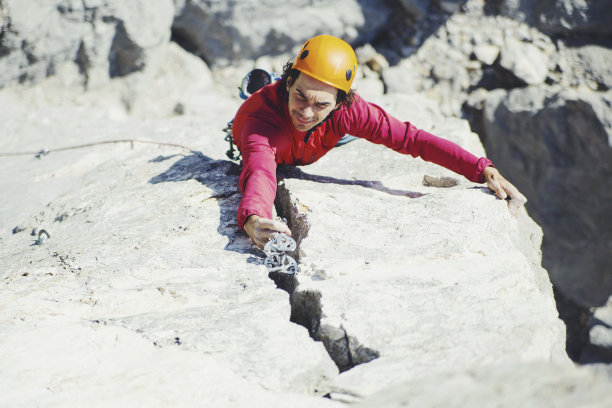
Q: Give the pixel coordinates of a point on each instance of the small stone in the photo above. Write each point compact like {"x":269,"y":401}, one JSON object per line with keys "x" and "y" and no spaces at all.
{"x":179,"y":109}
{"x":18,"y":229}
{"x":486,"y":53}
{"x":443,"y":181}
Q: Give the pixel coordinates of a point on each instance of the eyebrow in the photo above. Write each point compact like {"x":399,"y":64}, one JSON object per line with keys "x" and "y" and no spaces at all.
{"x":322,"y":103}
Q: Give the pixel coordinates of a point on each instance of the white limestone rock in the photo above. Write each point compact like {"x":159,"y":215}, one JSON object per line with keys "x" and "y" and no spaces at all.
{"x":528,"y":385}
{"x":587,"y":66}
{"x":560,"y":17}
{"x":226,"y":32}
{"x":145,"y":291}
{"x":105,"y":39}
{"x":486,"y":53}
{"x":525,"y":60}
{"x":599,"y":325}
{"x":410,"y":280}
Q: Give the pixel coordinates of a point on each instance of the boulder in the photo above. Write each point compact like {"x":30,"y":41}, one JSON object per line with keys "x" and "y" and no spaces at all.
{"x":486,"y":53}
{"x":468,"y":50}
{"x":559,"y":18}
{"x":599,"y":326}
{"x":104,"y":38}
{"x":418,"y":9}
{"x":223,"y":33}
{"x":586,"y":66}
{"x":525,"y":61}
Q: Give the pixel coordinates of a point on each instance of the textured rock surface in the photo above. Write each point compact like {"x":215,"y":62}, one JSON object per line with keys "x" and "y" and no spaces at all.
{"x":223,"y":32}
{"x":145,"y":276}
{"x":600,"y":335}
{"x":559,"y":17}
{"x":527,"y":385}
{"x":379,"y":243}
{"x":104,"y":38}
{"x":145,"y":291}
{"x":475,"y":51}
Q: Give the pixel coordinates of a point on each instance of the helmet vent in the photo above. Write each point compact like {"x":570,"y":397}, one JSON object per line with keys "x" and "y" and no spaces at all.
{"x":304,"y":54}
{"x":349,"y":74}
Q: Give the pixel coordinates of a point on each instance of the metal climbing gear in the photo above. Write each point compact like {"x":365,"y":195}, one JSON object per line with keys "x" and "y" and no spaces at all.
{"x":233,"y":153}
{"x":276,"y":258}
{"x":43,"y":235}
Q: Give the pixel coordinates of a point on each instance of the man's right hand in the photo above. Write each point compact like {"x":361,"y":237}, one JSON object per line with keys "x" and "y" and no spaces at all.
{"x":261,"y":230}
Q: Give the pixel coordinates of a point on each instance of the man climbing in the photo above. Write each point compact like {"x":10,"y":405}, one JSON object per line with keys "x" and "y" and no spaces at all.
{"x":307,"y":112}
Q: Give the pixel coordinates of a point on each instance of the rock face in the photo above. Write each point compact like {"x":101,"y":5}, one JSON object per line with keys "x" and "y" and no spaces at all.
{"x":561,"y":158}
{"x":559,"y":18}
{"x":503,"y":386}
{"x":376,"y":242}
{"x":559,"y":120}
{"x":224,"y":32}
{"x":127,"y":282}
{"x":109,"y":38}
{"x":144,"y":278}
{"x":104,"y":38}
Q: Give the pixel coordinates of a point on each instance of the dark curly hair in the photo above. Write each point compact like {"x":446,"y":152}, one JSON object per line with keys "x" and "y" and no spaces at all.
{"x":291,"y":74}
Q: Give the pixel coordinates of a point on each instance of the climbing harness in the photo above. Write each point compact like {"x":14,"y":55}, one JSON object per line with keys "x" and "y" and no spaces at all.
{"x":276,"y":258}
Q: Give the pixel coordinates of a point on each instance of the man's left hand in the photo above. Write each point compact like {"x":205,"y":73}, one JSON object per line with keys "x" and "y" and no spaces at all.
{"x":504,"y":189}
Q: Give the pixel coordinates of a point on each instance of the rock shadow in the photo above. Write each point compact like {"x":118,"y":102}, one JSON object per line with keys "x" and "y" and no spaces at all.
{"x":297,"y":173}
{"x":408,"y":26}
{"x":221,"y":177}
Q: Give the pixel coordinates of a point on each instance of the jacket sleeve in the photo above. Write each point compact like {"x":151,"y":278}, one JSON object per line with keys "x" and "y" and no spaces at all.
{"x":371,"y":122}
{"x":258,"y":177}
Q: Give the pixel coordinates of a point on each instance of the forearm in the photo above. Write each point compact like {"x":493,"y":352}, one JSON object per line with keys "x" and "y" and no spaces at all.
{"x":258,"y":186}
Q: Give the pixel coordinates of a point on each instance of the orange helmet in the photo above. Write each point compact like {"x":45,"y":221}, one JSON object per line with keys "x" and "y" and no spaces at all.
{"x":328,"y":59}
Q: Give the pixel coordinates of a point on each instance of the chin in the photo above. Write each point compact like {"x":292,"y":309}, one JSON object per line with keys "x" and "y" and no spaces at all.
{"x":303,"y":127}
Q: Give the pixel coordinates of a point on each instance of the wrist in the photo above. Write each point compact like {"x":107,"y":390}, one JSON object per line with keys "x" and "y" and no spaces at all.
{"x":249,"y":223}
{"x":251,"y":218}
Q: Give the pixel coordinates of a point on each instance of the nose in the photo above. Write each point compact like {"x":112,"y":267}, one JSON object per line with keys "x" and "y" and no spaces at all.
{"x":306,"y":111}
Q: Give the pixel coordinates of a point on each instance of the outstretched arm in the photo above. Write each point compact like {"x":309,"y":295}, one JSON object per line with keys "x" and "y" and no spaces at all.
{"x":258,"y":184}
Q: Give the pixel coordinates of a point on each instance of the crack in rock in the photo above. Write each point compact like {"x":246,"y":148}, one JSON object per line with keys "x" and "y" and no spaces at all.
{"x":306,"y":307}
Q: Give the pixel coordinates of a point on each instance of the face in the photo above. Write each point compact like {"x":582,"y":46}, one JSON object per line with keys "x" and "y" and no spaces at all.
{"x":310,"y":101}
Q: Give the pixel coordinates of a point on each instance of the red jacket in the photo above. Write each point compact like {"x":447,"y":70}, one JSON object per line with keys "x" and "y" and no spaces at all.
{"x":263,"y":132}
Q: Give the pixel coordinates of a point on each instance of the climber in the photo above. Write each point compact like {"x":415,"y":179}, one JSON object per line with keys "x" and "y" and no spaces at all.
{"x":301,"y":117}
